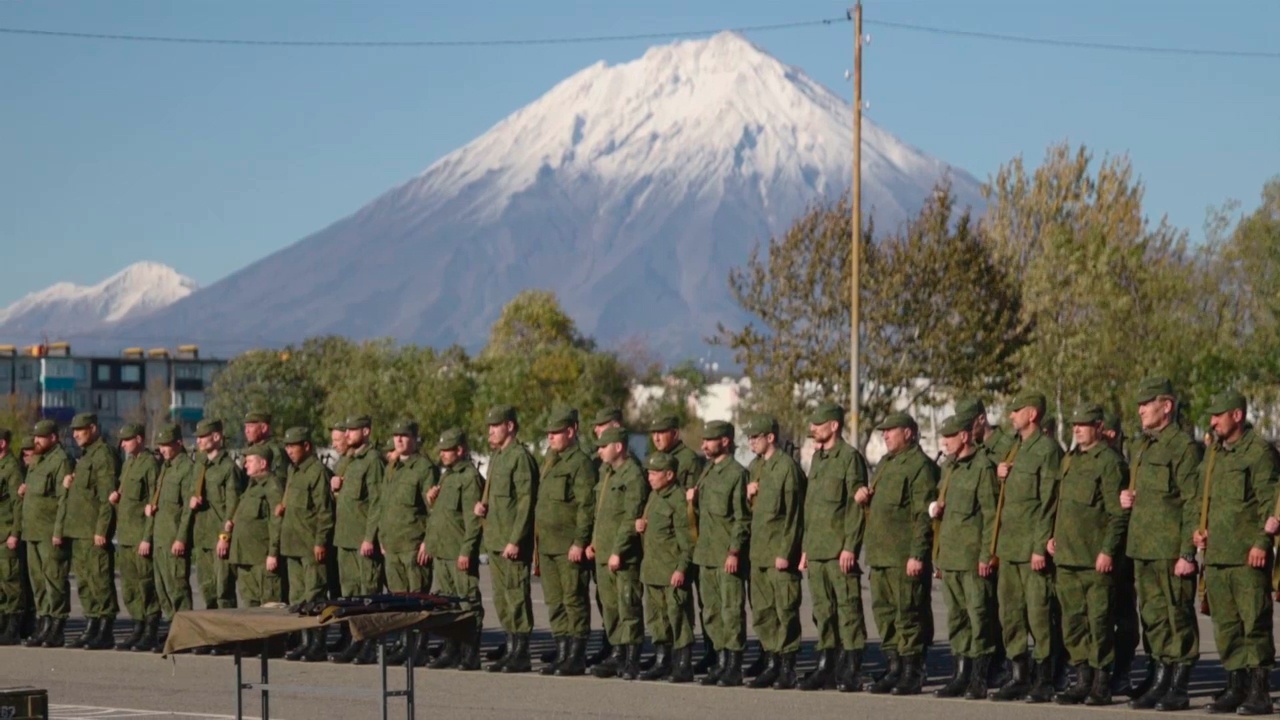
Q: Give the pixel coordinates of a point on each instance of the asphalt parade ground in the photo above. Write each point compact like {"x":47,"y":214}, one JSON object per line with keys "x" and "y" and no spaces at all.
{"x":108,"y":684}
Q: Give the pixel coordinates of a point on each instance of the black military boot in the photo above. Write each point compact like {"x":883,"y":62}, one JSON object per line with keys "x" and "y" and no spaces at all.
{"x":731,"y":672}
{"x":773,"y":666}
{"x":150,"y":628}
{"x":890,"y":677}
{"x":786,"y":679}
{"x":757,"y":666}
{"x":661,"y":663}
{"x":344,"y":639}
{"x":823,"y":676}
{"x":9,"y":630}
{"x":560,"y":654}
{"x":630,"y":667}
{"x":849,"y":674}
{"x":160,"y":639}
{"x":1120,"y":682}
{"x":367,"y":653}
{"x":349,"y":654}
{"x":962,"y":673}
{"x":710,"y":658}
{"x":713,"y":674}
{"x":682,"y":665}
{"x":297,"y":651}
{"x":1179,"y":682}
{"x":90,"y":631}
{"x":1076,"y":694}
{"x":55,"y":637}
{"x":314,"y":649}
{"x":1019,"y":680}
{"x":517,"y":660}
{"x":551,"y":656}
{"x":610,"y":666}
{"x":977,"y":689}
{"x":42,"y":629}
{"x":448,"y":658}
{"x":1100,"y":693}
{"x":574,"y":663}
{"x":1230,"y":697}
{"x":105,"y":639}
{"x":399,"y":651}
{"x":1258,"y":699}
{"x":912,"y":680}
{"x":497,"y":662}
{"x":604,"y":653}
{"x":135,"y":637}
{"x":469,"y":659}
{"x":1042,"y":688}
{"x":1157,"y":673}
{"x":496,"y":653}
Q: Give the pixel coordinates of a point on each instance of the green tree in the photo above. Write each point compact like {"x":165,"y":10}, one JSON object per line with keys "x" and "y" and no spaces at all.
{"x":280,"y":381}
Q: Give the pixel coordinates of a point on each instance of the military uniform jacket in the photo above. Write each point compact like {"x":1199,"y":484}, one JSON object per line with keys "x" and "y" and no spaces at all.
{"x":403,"y":512}
{"x":688,"y":465}
{"x":222,"y":482}
{"x":279,"y":458}
{"x":308,"y":509}
{"x":10,"y":502}
{"x":777,"y":518}
{"x":42,"y":503}
{"x":171,"y":520}
{"x":1166,"y":510}
{"x":969,"y":513}
{"x":621,"y":497}
{"x":566,"y":503}
{"x":138,"y":478}
{"x":833,"y":522}
{"x":898,"y":517}
{"x":1030,"y":499}
{"x":997,"y":445}
{"x":256,"y":534}
{"x":358,"y":499}
{"x":1242,"y":493}
{"x":1090,"y":520}
{"x":724,"y":518}
{"x":453,"y":530}
{"x":668,"y":543}
{"x":86,"y":510}
{"x":512,"y":487}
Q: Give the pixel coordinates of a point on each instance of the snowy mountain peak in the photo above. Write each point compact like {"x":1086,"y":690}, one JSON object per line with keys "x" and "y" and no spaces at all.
{"x":65,"y":308}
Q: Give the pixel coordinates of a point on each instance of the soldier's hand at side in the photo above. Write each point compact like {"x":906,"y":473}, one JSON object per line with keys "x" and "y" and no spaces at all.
{"x":848,"y":561}
{"x":677,"y":579}
{"x":691,"y":494}
{"x":1257,"y":558}
{"x":863,"y":495}
{"x":223,"y":548}
{"x":575,"y":554}
{"x":1200,"y":538}
{"x":1002,"y":470}
{"x":366,"y":549}
{"x":432,"y":494}
{"x":178,"y":548}
{"x":464,"y":563}
{"x":149,"y":510}
{"x":780,"y":564}
{"x":480,"y":510}
{"x":1184,"y":568}
{"x":57,"y":541}
{"x":280,"y":510}
{"x":511,"y":551}
{"x":753,"y":488}
{"x":1038,"y":563}
{"x":11,"y":542}
{"x":319,"y":552}
{"x":1126,"y":499}
{"x":591,"y":552}
{"x":100,"y":541}
{"x":641,"y":524}
{"x":114,"y":497}
{"x":935,"y":510}
{"x":984,"y":569}
{"x":1052,"y":546}
{"x":22,"y":490}
{"x":195,"y":503}
{"x":804,"y":562}
{"x":1272,"y":526}
{"x":615,"y":563}
{"x":731,"y":564}
{"x":144,"y":549}
{"x":66,"y":481}
{"x":335,"y":483}
{"x":273,"y":563}
{"x":422,"y":557}
{"x":1103,"y":564}
{"x":914,"y":567}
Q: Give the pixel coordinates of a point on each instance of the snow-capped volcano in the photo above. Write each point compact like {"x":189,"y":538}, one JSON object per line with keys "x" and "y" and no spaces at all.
{"x":65,"y":309}
{"x":630,"y":190}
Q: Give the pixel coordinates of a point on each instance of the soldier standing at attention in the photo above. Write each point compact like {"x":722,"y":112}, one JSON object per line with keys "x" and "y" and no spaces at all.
{"x":965,"y":512}
{"x":453,"y":541}
{"x":138,"y":478}
{"x":48,"y":562}
{"x":777,"y":526}
{"x":11,"y":599}
{"x":899,"y":555}
{"x":668,"y":554}
{"x":402,"y":526}
{"x":1025,"y":522}
{"x":566,"y":513}
{"x":84,"y":526}
{"x":724,"y":525}
{"x":1240,"y":475}
{"x":833,"y":529}
{"x":257,"y":431}
{"x":1125,"y":620}
{"x":507,"y":510}
{"x":1088,"y":535}
{"x":1163,"y":496}
{"x":306,"y":533}
{"x":604,"y":419}
{"x":255,"y":531}
{"x":358,"y":491}
{"x":616,"y":550}
{"x":169,"y":525}
{"x":213,"y":501}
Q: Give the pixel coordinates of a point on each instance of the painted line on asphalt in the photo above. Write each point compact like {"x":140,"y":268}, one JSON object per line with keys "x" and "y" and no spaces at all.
{"x":94,"y":712}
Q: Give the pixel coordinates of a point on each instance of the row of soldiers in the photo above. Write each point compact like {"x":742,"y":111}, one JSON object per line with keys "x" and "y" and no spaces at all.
{"x":1041,"y":553}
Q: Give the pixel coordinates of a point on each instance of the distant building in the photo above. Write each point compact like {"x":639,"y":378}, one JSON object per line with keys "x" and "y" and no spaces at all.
{"x":148,"y":386}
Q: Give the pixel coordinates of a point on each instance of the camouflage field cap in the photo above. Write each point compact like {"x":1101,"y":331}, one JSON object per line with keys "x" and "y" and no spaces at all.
{"x":500,"y":414}
{"x":1152,"y":388}
{"x":257,"y":415}
{"x":607,"y":415}
{"x":297,"y":436}
{"x":760,"y":425}
{"x":662,"y":461}
{"x":83,"y":420}
{"x":168,"y":435}
{"x":558,"y":420}
{"x":664,"y":423}
{"x":826,"y":412}
{"x":44,"y":428}
{"x":716,"y":429}
{"x":1086,"y":414}
{"x":953,"y":425}
{"x":896,"y":420}
{"x":1028,"y":399}
{"x":1227,"y":401}
{"x":612,"y":435}
{"x":129,"y":431}
{"x":205,"y":428}
{"x":405,"y":427}
{"x":451,"y":439}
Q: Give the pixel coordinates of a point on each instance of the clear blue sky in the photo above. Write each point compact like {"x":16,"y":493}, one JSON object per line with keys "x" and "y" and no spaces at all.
{"x":209,"y":157}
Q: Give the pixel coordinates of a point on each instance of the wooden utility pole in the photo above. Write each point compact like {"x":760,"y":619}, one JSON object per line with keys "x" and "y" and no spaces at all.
{"x":856,"y":221}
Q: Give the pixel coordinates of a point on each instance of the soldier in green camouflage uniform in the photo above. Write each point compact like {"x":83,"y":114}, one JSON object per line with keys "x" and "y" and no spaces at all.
{"x":833,"y":530}
{"x":605,"y":418}
{"x":1240,"y":475}
{"x":358,"y":491}
{"x":899,"y":554}
{"x":1088,"y":534}
{"x":48,"y":562}
{"x":964,"y":515}
{"x":254,"y":529}
{"x":507,"y":510}
{"x":777,"y":494}
{"x":616,"y":550}
{"x":566,"y":514}
{"x":84,"y":526}
{"x":213,"y":501}
{"x":257,"y":432}
{"x":402,"y":524}
{"x":1164,"y":495}
{"x":1125,"y":619}
{"x":306,"y":533}
{"x":668,"y":555}
{"x":453,"y":541}
{"x":138,"y":477}
{"x":11,"y":600}
{"x":169,"y":524}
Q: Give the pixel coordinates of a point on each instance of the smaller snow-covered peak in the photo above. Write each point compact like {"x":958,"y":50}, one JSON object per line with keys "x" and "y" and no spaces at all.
{"x":66,"y":307}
